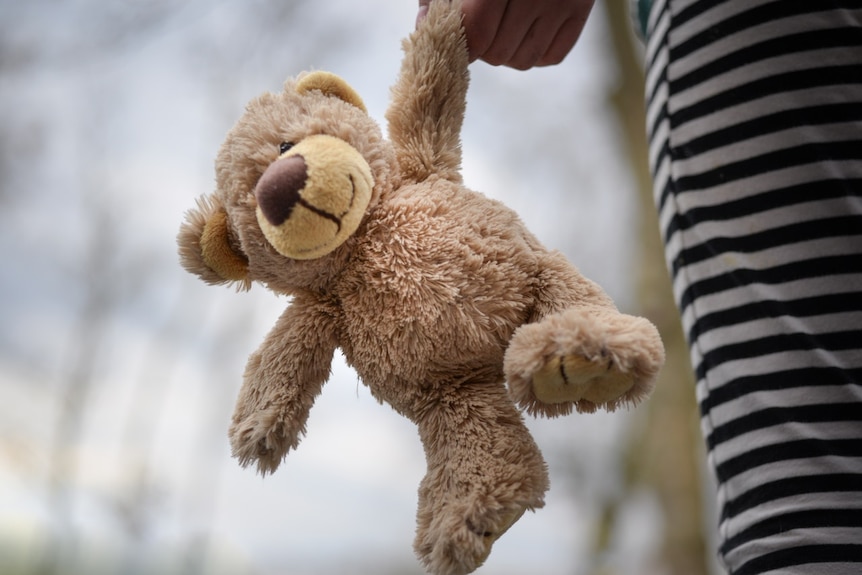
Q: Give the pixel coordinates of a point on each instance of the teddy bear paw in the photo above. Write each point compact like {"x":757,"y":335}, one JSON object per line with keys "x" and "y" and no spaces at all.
{"x":583,"y":360}
{"x":259,"y":438}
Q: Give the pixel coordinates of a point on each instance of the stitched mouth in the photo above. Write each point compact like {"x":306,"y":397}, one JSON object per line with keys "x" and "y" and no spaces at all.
{"x":324,"y":214}
{"x":352,"y":197}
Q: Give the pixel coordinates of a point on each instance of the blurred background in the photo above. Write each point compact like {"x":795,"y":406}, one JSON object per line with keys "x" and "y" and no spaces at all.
{"x":118,"y":370}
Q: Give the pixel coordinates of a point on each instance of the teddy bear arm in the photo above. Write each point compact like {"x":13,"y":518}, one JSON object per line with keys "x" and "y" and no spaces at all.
{"x":281,"y":382}
{"x":429,"y":98}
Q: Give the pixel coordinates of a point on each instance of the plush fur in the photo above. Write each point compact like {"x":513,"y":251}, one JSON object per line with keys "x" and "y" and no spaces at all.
{"x":437,"y":296}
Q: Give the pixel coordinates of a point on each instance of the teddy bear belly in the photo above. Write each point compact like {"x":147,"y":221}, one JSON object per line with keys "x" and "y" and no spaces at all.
{"x":401,"y":362}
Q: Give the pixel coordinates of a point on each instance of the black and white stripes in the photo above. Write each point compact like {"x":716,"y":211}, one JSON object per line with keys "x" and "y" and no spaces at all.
{"x":754,"y":111}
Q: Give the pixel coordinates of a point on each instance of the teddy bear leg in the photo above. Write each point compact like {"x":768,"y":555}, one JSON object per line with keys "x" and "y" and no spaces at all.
{"x":583,"y":359}
{"x":484,"y":471}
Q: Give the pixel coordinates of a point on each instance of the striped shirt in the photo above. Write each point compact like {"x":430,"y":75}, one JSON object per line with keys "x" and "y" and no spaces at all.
{"x":754,"y":113}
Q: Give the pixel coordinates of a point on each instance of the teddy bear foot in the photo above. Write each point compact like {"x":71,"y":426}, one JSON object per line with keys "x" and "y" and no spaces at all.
{"x":455,"y":544}
{"x":583,"y":360}
{"x":573,"y":378}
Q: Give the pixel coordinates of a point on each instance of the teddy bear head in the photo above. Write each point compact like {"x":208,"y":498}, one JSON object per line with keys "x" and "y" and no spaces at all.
{"x":296,"y":179}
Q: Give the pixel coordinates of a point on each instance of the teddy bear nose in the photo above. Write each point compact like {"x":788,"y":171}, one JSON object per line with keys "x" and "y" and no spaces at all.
{"x":278,"y":190}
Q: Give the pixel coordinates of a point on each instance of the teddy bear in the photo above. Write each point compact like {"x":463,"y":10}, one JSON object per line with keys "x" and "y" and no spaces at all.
{"x":446,"y":306}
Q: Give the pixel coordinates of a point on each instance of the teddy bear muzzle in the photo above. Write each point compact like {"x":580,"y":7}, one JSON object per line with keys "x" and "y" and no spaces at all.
{"x":310,"y":200}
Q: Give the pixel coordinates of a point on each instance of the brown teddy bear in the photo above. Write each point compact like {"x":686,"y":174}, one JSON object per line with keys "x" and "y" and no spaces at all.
{"x":436,"y":294}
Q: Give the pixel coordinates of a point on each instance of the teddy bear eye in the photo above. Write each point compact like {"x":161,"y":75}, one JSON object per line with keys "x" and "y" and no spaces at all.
{"x":284,"y":146}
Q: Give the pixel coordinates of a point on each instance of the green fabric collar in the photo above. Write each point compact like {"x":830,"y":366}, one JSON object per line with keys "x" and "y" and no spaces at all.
{"x":643,"y":7}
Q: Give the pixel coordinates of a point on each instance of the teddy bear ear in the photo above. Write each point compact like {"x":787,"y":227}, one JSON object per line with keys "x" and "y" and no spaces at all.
{"x":331,"y":85}
{"x":207,"y":248}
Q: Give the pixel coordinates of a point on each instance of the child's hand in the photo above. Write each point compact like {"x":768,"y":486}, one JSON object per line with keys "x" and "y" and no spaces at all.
{"x":521,"y":33}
